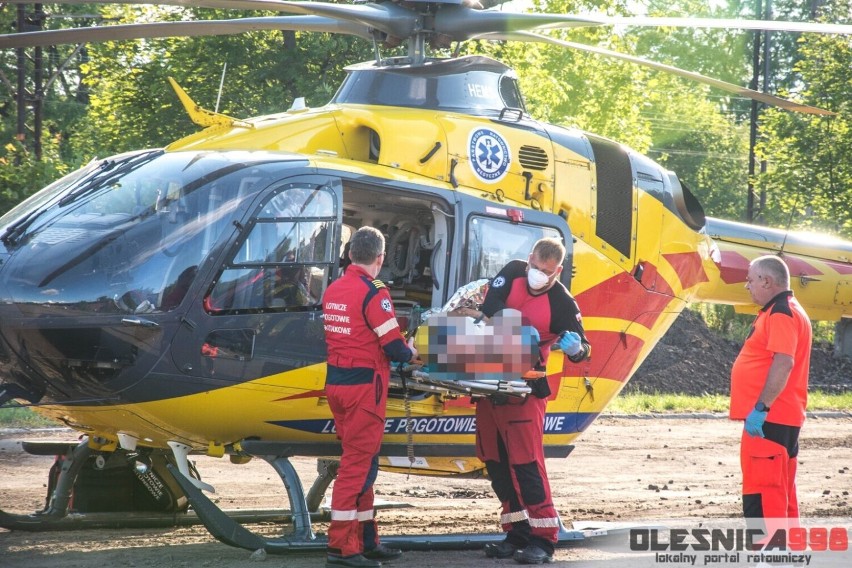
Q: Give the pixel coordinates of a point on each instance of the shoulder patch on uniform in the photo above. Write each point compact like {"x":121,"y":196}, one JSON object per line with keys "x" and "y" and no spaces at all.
{"x":379,"y":284}
{"x":386,"y":305}
{"x":498,"y":282}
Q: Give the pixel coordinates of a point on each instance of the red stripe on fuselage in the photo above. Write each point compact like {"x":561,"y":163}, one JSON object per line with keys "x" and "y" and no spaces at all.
{"x":622,"y":297}
{"x":733,"y":268}
{"x":840,"y":268}
{"x":306,"y":394}
{"x":613,"y":354}
{"x":688,"y":267}
{"x":799,"y":267}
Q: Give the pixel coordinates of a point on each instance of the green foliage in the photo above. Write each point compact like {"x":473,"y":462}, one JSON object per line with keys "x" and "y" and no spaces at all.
{"x":18,"y":417}
{"x":809,"y":180}
{"x":21,"y":174}
{"x":133,"y":106}
{"x":645,"y":403}
{"x":667,"y":117}
{"x":722,"y":319}
{"x":114,"y":96}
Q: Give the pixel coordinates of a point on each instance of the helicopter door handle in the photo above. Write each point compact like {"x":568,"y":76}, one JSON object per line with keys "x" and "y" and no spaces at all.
{"x":140,"y":322}
{"x":435,"y":249}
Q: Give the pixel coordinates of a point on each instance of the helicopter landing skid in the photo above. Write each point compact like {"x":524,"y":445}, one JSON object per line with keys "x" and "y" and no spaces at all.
{"x":302,"y":538}
{"x":62,"y":510}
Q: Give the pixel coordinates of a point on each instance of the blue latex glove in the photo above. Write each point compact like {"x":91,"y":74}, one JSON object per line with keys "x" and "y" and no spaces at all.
{"x":570,"y":344}
{"x":536,"y":337}
{"x":754,"y":423}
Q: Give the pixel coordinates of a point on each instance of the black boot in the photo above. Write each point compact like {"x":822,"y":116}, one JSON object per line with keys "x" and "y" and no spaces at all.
{"x":354,"y":561}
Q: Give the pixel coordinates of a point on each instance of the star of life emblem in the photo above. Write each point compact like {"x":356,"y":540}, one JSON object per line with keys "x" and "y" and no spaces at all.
{"x":489,"y":155}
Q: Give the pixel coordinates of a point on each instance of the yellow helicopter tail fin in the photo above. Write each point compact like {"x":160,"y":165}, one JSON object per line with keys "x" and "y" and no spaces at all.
{"x":203,"y":117}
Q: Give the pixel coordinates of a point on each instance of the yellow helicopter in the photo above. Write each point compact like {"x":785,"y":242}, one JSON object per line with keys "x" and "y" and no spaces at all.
{"x":166,"y":302}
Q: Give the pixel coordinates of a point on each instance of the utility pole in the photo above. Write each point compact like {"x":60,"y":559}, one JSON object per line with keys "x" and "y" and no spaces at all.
{"x":760,"y":52}
{"x":20,"y":95}
{"x":27,"y":101}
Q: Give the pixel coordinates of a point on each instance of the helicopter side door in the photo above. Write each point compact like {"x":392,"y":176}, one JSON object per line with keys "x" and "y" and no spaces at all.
{"x":494,"y":234}
{"x":261,"y":313}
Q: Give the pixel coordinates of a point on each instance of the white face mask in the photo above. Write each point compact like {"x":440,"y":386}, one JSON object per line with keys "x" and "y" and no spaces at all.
{"x":537,"y":279}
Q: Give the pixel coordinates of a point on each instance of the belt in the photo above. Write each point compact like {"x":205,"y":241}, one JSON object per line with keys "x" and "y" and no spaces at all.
{"x":351,"y":362}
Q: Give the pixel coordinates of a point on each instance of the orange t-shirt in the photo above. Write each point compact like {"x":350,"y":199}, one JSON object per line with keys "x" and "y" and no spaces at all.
{"x":782,"y":326}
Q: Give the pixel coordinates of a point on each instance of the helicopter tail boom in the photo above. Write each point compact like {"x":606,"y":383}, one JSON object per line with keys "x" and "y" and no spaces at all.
{"x":820,"y":268}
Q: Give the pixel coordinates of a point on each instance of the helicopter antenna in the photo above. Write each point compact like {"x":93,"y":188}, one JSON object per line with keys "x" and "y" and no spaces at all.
{"x":221,"y":84}
{"x":789,"y":222}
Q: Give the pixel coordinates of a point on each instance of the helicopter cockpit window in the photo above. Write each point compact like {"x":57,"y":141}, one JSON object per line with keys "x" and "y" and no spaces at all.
{"x":130,"y":235}
{"x":285,"y":260}
{"x":510,"y":92}
{"x":492,"y":243}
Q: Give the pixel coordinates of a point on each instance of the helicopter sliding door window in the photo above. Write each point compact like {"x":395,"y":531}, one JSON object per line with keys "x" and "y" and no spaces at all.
{"x":284,"y":260}
{"x":492,"y":243}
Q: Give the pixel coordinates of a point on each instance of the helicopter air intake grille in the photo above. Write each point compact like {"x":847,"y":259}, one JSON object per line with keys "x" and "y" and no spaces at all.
{"x":533,"y":158}
{"x":54,"y":235}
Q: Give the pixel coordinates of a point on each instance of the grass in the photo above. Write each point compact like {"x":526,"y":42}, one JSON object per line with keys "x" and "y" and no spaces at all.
{"x":637,"y":403}
{"x":18,"y":417}
{"x":634,"y":403}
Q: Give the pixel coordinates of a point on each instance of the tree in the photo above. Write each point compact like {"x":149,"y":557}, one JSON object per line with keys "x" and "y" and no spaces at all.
{"x":133,"y":105}
{"x":809,"y":181}
{"x":114,"y":96}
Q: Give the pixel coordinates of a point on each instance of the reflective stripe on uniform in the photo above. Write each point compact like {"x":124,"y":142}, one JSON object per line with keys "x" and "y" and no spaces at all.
{"x":366,"y":515}
{"x":389,"y":325}
{"x":549,"y":522}
{"x":508,"y":518}
{"x":344,"y":515}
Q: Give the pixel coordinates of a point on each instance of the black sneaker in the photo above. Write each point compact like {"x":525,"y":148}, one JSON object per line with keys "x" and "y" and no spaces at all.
{"x":382,"y":552}
{"x":532,"y":554}
{"x":354,"y":561}
{"x":504,"y":549}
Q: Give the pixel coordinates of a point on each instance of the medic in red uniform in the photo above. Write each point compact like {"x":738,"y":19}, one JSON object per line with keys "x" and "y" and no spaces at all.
{"x":769,"y":390}
{"x":510,"y":431}
{"x":363,"y":337}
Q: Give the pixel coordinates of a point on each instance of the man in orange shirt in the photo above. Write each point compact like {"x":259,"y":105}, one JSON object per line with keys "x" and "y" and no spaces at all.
{"x":769,"y":390}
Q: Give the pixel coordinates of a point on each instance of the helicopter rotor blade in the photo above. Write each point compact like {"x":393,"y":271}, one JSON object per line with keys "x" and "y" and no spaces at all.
{"x":388,"y":17}
{"x":716,"y":23}
{"x":181,"y":29}
{"x":461,"y":23}
{"x":730,"y":87}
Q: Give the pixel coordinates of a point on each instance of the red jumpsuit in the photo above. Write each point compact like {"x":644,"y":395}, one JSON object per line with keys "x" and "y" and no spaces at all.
{"x":363,"y":336}
{"x":510,"y":432}
{"x":769,"y":464}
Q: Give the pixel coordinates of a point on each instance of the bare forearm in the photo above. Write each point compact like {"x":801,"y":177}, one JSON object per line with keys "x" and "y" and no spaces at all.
{"x":776,"y":378}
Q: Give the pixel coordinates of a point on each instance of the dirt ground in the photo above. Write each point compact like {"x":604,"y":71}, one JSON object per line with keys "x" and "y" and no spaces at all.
{"x":623,"y":470}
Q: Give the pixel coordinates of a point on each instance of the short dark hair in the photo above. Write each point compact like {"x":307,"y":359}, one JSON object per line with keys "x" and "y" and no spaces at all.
{"x":366,"y":245}
{"x":549,"y":248}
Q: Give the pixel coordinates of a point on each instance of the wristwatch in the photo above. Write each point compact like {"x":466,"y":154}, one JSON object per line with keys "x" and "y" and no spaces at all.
{"x":760,"y":407}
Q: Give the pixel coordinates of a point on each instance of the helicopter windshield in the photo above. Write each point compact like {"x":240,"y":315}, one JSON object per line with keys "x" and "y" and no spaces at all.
{"x":131,"y":239}
{"x":470,"y":84}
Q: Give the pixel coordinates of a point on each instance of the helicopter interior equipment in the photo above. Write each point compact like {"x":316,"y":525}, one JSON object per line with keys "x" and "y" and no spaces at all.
{"x":166,"y":302}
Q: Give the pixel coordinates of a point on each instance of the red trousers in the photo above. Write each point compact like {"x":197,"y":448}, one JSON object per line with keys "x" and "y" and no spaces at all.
{"x":509,"y":440}
{"x":359,"y":419}
{"x":769,"y":483}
